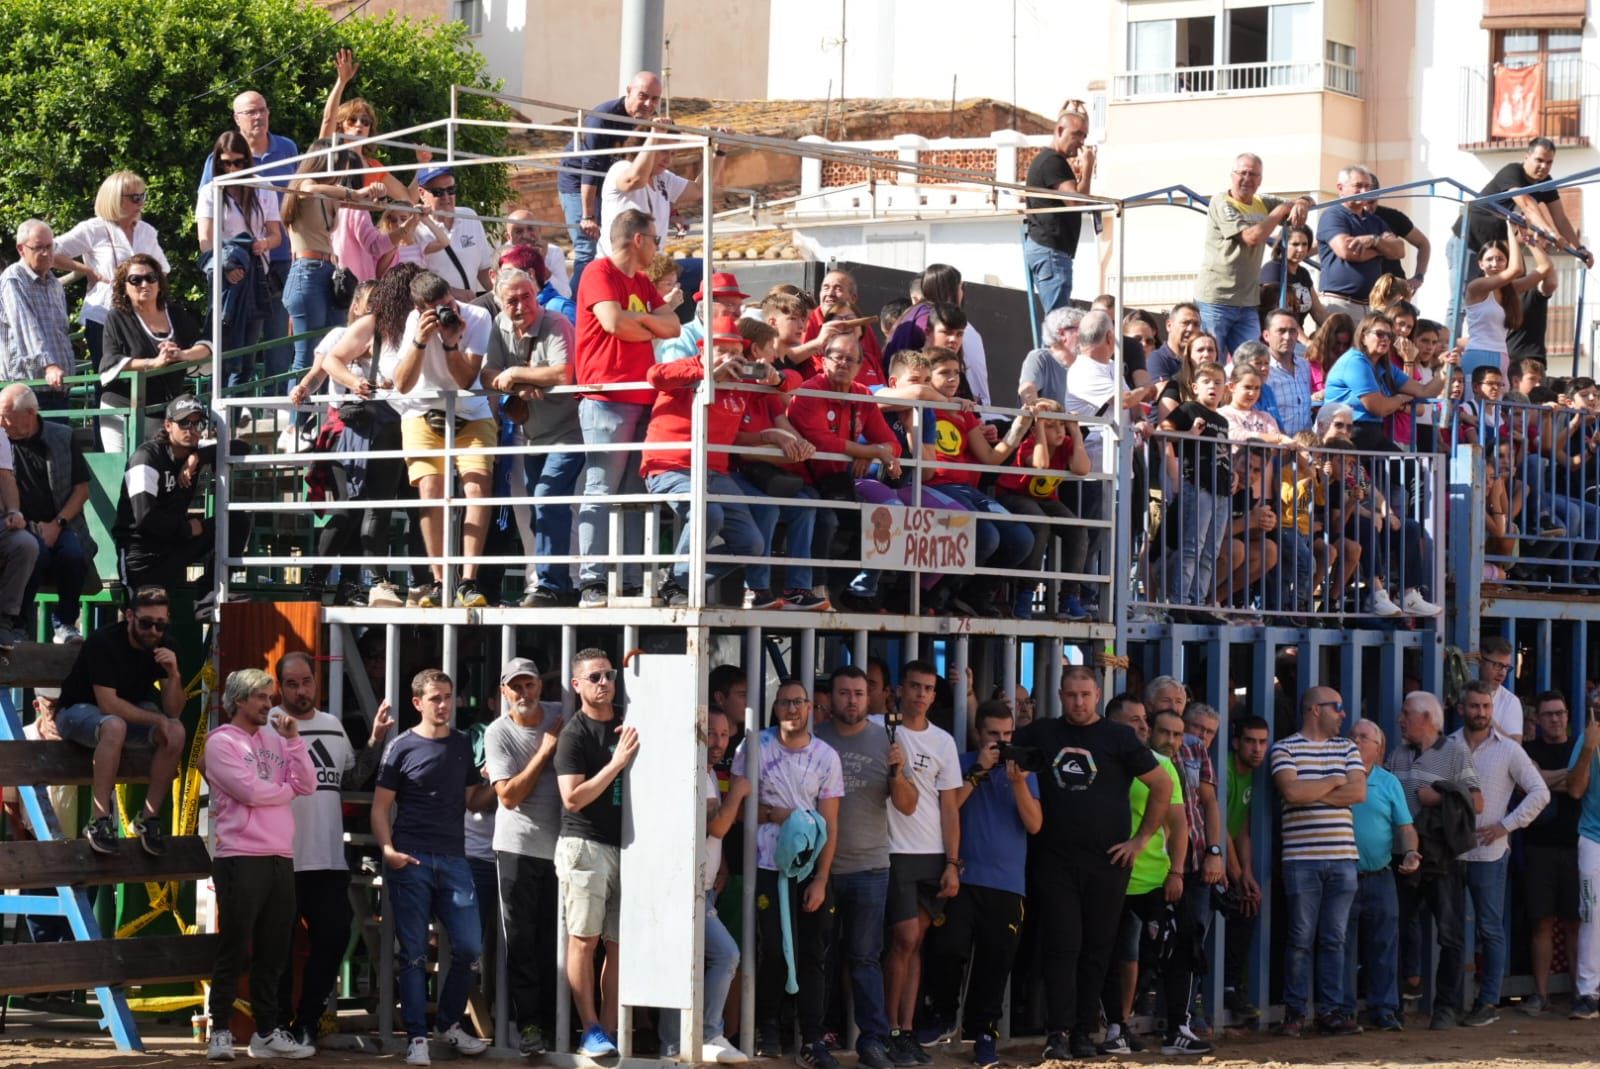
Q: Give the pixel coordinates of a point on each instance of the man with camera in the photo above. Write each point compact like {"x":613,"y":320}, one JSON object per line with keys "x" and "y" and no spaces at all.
{"x":999,"y":802}
{"x":1084,"y":850}
{"x":435,"y":373}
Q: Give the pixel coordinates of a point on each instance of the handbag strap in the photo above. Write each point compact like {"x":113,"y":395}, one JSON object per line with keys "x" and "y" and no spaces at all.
{"x":377,"y":347}
{"x":466,"y":283}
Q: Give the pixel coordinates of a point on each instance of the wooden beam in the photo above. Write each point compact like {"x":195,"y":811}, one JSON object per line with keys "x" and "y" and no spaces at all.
{"x":158,"y":959}
{"x":65,"y":764}
{"x":34,"y":664}
{"x":24,"y":863}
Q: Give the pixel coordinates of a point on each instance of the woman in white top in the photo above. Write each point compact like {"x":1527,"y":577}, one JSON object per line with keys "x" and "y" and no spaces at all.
{"x":1494,"y":304}
{"x":246,"y":210}
{"x":96,"y":247}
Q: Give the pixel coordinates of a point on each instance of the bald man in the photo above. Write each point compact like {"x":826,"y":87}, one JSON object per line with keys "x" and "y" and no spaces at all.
{"x":524,"y":231}
{"x":253,"y":118}
{"x":605,"y":128}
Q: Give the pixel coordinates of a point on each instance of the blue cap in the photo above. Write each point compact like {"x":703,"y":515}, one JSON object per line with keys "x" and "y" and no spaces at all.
{"x":428,"y":174}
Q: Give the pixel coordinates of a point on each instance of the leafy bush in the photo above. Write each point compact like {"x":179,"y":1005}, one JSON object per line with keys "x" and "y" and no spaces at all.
{"x":88,"y":87}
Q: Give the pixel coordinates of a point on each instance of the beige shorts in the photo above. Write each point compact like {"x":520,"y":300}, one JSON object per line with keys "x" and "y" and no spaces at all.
{"x":591,"y":887}
{"x":415,"y":434}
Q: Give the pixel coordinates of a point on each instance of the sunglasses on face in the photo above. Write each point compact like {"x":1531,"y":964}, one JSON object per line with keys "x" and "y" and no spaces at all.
{"x":1337,"y":707}
{"x":193,"y":423}
{"x":137,"y":198}
{"x":142,"y":280}
{"x":147,"y":623}
{"x":608,"y":676}
{"x":442,"y":191}
{"x":230,"y":161}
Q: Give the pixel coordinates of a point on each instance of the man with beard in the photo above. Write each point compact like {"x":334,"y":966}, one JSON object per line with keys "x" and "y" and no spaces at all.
{"x":321,"y":873}
{"x":109,"y":699}
{"x":873,"y":767}
{"x":518,"y":749}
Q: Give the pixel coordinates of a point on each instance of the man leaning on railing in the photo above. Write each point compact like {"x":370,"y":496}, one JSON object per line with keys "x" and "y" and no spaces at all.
{"x":33,"y":305}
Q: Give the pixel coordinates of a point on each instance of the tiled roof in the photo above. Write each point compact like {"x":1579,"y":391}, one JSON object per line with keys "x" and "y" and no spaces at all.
{"x":747,"y":245}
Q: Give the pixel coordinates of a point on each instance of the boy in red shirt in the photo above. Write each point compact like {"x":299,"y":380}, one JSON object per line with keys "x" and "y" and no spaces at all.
{"x":1056,"y":445}
{"x":666,"y":470}
{"x":620,"y":315}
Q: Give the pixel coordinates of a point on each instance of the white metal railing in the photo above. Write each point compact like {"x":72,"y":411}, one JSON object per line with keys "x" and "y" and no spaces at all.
{"x":1223,"y":79}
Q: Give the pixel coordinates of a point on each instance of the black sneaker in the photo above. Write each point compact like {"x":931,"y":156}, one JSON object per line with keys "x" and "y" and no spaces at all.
{"x":903,"y":1048}
{"x":1057,"y":1048}
{"x":1117,"y":1044}
{"x":804,"y":601}
{"x":541,"y":598}
{"x":871,"y":1054}
{"x":1185,"y":1044}
{"x":817,"y":1056}
{"x":468,"y":596}
{"x":768,"y":1045}
{"x":151,"y":837}
{"x":1081,"y":1047}
{"x":349,"y":593}
{"x":678,"y":598}
{"x":1337,"y":1024}
{"x":101,"y":835}
{"x":1481,"y":1014}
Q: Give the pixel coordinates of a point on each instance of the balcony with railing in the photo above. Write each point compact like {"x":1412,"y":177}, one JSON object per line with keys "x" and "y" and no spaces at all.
{"x":1567,"y":112}
{"x":1225,"y":79}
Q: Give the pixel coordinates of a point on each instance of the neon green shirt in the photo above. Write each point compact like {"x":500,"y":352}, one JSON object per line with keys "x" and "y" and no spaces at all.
{"x":1151,"y":866}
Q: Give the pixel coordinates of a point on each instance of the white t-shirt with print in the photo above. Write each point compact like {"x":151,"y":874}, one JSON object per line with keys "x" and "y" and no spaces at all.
{"x":472,"y":248}
{"x":655,"y":198}
{"x":934,"y":765}
{"x":435,"y":375}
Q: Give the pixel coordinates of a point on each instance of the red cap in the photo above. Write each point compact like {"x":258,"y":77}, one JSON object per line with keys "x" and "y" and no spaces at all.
{"x":723,"y":284}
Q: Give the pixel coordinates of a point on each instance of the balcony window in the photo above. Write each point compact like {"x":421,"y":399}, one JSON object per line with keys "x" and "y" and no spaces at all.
{"x":469,"y":12}
{"x":1559,"y":53}
{"x":1562,"y":107}
{"x":1266,"y":48}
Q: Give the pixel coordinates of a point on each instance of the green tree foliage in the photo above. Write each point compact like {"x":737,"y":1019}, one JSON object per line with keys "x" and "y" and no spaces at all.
{"x":88,"y":87}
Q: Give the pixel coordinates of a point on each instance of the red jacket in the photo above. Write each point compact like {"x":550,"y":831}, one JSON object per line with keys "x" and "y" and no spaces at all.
{"x":872,"y":371}
{"x":672,"y":418}
{"x":828,"y":423}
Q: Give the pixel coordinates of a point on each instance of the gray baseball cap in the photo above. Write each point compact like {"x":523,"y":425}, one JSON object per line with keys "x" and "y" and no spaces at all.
{"x":518,"y":666}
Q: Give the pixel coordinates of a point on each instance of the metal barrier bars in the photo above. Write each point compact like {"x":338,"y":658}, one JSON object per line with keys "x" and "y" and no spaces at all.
{"x":1248,"y":531}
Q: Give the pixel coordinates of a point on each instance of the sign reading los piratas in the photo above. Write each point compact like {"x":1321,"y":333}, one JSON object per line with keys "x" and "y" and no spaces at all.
{"x":918,"y":539}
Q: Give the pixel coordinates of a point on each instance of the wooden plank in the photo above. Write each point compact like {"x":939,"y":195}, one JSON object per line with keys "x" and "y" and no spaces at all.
{"x":158,"y":959}
{"x":65,"y":764}
{"x":34,"y":664}
{"x":52,"y":864}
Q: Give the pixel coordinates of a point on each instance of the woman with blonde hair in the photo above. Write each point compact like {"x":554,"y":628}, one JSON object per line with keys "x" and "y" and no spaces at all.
{"x":96,"y":247}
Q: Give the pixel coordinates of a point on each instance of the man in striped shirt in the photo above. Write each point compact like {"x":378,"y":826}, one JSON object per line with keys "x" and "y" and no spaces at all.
{"x":1320,"y":776}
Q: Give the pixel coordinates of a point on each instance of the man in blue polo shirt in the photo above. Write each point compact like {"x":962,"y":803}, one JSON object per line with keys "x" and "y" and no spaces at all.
{"x":1353,"y":244}
{"x":581,"y":176}
{"x":1383,"y":829}
{"x":252,"y":116}
{"x":999,"y":809}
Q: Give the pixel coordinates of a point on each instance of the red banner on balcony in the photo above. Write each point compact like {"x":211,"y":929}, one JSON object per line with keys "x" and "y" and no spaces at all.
{"x":1518,"y":102}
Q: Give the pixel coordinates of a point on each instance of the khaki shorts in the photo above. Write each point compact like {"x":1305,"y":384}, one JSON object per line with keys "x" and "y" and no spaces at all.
{"x":591,"y":887}
{"x":415,"y":434}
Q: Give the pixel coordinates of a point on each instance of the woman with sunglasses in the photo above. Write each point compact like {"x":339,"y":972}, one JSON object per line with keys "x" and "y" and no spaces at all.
{"x":95,"y":247}
{"x":1364,"y":379}
{"x":251,"y":228}
{"x":145,"y":332}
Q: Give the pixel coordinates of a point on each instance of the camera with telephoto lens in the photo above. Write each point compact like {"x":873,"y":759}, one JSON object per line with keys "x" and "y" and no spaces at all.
{"x":447,"y":316}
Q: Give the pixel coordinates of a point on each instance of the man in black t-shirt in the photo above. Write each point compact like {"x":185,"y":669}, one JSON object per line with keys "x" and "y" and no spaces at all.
{"x":1050,"y":238}
{"x":109,"y":699}
{"x":1082,"y":854}
{"x":594,"y":750}
{"x":1550,"y":847}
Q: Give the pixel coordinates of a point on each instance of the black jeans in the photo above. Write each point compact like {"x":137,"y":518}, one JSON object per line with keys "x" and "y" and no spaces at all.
{"x":983,"y":925}
{"x":323,"y":900}
{"x":528,"y":897}
{"x":1444,"y":899}
{"x":1177,"y":967}
{"x":255,"y":907}
{"x":812,"y":934}
{"x":1078,"y":931}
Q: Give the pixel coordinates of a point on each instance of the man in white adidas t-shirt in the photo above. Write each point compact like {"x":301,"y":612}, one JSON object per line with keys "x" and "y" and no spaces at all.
{"x":321,"y":873}
{"x":644,"y":182}
{"x":924,"y":853}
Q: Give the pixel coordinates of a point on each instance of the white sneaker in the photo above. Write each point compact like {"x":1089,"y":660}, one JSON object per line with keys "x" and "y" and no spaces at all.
{"x":417,"y":1052}
{"x":221,"y":1047}
{"x":1417,"y":605}
{"x":464,"y":1043}
{"x":66,"y":634}
{"x":1378,"y":603}
{"x":280,"y":1044}
{"x":721,"y":1051}
{"x":384,"y":595}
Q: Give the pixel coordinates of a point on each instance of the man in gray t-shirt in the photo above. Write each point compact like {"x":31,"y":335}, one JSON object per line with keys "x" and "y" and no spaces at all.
{"x":518,"y":748}
{"x":874,"y":776}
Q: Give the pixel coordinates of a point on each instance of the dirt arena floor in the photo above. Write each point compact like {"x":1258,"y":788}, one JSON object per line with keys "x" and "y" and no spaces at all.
{"x":1514,"y":1042}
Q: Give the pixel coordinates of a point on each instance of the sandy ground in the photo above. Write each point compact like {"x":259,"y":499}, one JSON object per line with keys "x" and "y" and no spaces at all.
{"x":1512,"y":1043}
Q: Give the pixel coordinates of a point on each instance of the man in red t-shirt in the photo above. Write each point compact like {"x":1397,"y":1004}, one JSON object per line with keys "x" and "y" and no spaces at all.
{"x":620,"y":315}
{"x":837,"y":296}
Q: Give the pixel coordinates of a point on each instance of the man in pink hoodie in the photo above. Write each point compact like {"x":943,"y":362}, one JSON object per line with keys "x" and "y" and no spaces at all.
{"x":254,"y":775}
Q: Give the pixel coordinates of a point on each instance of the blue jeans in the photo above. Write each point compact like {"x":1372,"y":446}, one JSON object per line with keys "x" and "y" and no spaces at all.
{"x":1191,"y":571}
{"x":1012,"y":541}
{"x":1376,"y":917}
{"x":1230,"y":324}
{"x":583,"y":248}
{"x":859,"y":899}
{"x":66,"y":566}
{"x":722,"y":961}
{"x":439,"y":887}
{"x":308,"y":298}
{"x":279,"y":357}
{"x":1051,"y":271}
{"x":553,"y":475}
{"x":1486,"y":887}
{"x":740,"y":535}
{"x":1319,"y":894}
{"x":800,"y":522}
{"x":604,"y":474}
{"x":1288,"y":586}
